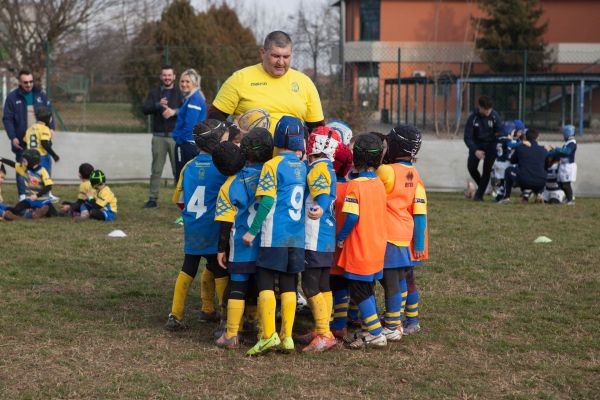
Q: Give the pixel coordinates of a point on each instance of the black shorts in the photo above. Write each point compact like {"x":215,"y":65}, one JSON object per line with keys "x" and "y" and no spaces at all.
{"x":248,"y":267}
{"x":282,"y":259}
{"x":318,"y":259}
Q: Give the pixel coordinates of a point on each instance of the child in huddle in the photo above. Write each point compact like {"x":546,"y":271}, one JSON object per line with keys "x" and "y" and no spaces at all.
{"x":37,"y":184}
{"x":280,"y":220}
{"x":363,"y":238}
{"x":320,"y":236}
{"x":407,"y":221}
{"x":102,"y":205}
{"x":235,"y":204}
{"x":196,"y":194}
{"x":567,"y":170}
{"x":85,"y":191}
{"x":339,"y":285}
{"x":553,"y":194}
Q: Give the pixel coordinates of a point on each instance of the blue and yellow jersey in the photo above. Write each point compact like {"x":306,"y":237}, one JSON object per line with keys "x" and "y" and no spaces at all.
{"x":320,"y":180}
{"x":284,"y":179}
{"x":34,"y":180}
{"x":197,"y":190}
{"x":34,"y":136}
{"x":106,"y":199}
{"x":85,"y":187}
{"x":237,"y":204}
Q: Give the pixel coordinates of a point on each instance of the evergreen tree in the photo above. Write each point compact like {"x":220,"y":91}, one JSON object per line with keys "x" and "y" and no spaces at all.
{"x":214,"y":43}
{"x":509,"y":28}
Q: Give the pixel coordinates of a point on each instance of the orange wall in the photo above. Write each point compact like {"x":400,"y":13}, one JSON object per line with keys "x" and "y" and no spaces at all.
{"x":574,"y":21}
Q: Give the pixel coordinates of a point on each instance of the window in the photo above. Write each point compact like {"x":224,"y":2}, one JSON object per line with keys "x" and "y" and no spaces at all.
{"x":369,"y":19}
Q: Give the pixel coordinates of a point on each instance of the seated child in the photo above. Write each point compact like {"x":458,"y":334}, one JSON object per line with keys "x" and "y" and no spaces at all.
{"x":85,"y":191}
{"x":363,"y":238}
{"x":102,"y":205}
{"x":567,"y":170}
{"x":37,"y":184}
{"x":3,"y":207}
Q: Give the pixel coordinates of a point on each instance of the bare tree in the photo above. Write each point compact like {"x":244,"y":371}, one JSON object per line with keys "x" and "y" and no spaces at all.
{"x":29,"y":27}
{"x":316,"y":34}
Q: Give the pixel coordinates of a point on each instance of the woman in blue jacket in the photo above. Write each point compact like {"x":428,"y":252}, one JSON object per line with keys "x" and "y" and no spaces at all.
{"x":191,"y":112}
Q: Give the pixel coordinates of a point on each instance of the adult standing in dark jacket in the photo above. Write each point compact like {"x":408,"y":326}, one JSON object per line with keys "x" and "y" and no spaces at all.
{"x":530,"y":170}
{"x":191,"y":112}
{"x":162,"y":104}
{"x":19,"y":114}
{"x":480,"y":138}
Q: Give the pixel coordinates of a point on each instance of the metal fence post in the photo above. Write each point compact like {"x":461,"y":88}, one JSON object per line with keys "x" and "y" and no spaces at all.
{"x":457,"y":102}
{"x":398,"y":94}
{"x":581,"y":104}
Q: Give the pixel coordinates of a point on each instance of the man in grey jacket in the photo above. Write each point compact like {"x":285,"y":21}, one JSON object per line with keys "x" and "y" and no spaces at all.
{"x":162,"y":104}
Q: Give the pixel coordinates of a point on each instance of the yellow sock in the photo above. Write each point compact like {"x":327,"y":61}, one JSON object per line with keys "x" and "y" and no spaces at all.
{"x":266,"y":305}
{"x":235,"y":313}
{"x":288,"y":313}
{"x":182,"y":286}
{"x":328,"y":296}
{"x":319,"y":311}
{"x":207,"y":291}
{"x":221,"y":285}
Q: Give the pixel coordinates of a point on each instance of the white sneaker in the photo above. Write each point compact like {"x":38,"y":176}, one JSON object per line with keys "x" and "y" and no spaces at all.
{"x":53,"y":198}
{"x":392,"y":335}
{"x":22,"y":197}
{"x":367,"y":340}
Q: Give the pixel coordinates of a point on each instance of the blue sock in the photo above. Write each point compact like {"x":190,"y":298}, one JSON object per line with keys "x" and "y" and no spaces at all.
{"x":412,"y":307}
{"x":341,"y":299}
{"x":370,"y":320}
{"x":392,"y":311}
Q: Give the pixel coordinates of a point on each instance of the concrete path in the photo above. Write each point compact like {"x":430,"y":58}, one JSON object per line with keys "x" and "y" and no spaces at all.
{"x":126,"y":157}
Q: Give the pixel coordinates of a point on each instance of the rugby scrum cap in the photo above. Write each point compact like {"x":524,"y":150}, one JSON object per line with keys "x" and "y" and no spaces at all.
{"x":228,"y":158}
{"x":508,"y":127}
{"x":32,"y":156}
{"x":342,"y":160}
{"x":207,"y":134}
{"x":323,"y":140}
{"x":43,"y":114}
{"x":519,"y":125}
{"x":367,"y":151}
{"x":257,"y":145}
{"x":568,"y":131}
{"x":342,"y":128}
{"x":97,"y":178}
{"x":289,"y":133}
{"x":403,"y":141}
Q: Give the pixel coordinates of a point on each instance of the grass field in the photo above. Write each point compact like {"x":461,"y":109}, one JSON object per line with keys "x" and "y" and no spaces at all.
{"x":82,"y":314}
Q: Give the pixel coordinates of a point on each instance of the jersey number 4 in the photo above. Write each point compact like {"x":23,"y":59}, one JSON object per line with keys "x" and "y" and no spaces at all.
{"x":196,"y":203}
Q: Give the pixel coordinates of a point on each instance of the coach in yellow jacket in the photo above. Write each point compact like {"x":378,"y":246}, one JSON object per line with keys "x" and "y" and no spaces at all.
{"x":271,"y":85}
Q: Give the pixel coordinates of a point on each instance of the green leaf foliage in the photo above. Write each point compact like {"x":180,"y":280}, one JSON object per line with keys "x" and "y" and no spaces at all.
{"x":214,"y":43}
{"x":509,"y":28}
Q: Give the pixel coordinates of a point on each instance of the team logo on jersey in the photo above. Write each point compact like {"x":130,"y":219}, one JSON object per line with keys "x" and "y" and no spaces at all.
{"x":266,"y":182}
{"x":295,"y":87}
{"x":409,"y":178}
{"x":320,"y":182}
{"x":297,"y":173}
{"x":201,"y":173}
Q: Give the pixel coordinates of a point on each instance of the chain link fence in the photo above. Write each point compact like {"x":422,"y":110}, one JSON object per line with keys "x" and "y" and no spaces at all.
{"x":436,"y":87}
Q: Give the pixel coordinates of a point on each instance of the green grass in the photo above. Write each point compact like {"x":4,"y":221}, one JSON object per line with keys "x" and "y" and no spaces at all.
{"x":82,"y":314}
